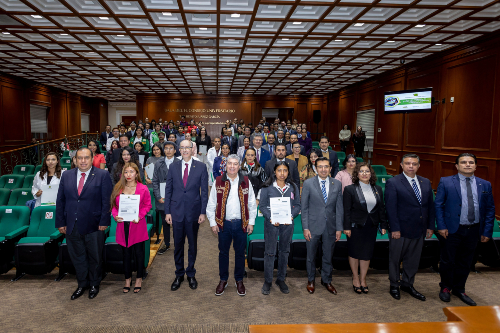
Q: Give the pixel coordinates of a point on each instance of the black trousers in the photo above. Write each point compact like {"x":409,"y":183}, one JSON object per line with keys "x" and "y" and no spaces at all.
{"x":166,"y":228}
{"x":128,"y":253}
{"x":343,"y":145}
{"x":182,"y":230}
{"x":85,"y":252}
{"x":406,"y":251}
{"x":359,"y":151}
{"x":457,"y":253}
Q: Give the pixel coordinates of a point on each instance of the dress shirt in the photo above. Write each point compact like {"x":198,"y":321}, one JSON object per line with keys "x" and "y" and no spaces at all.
{"x":233,"y":211}
{"x":416,"y":181}
{"x":170,"y":161}
{"x":190,"y":162}
{"x":465,"y":202}
{"x":259,"y":152}
{"x":278,"y":160}
{"x":327,"y":184}
{"x":110,"y":140}
{"x":325,"y":153}
{"x":79,"y":175}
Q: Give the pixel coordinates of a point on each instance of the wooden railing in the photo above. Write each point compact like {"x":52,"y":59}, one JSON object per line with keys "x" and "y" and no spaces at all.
{"x":34,"y":154}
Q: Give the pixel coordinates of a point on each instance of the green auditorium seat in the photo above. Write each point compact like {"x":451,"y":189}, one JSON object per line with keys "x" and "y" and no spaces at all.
{"x":66,"y":160}
{"x":298,"y":253}
{"x":66,"y":153}
{"x":153,"y":218}
{"x":4,"y":196}
{"x":66,"y":167}
{"x":11,"y":181}
{"x":359,"y":159}
{"x":19,"y":196}
{"x":488,"y":253}
{"x":113,"y":255}
{"x":379,"y":169}
{"x":256,"y":246}
{"x":340,"y":156}
{"x":36,"y":254}
{"x":382,"y":179}
{"x":38,"y":168}
{"x":23,"y":170}
{"x":83,"y":146}
{"x":28,"y":181}
{"x":14,"y":222}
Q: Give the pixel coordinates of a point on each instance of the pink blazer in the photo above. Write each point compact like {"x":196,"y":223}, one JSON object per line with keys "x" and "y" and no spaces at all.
{"x":138,"y":231}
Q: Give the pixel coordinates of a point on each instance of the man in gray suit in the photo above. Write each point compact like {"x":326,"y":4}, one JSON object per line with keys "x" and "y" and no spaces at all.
{"x":322,"y":220}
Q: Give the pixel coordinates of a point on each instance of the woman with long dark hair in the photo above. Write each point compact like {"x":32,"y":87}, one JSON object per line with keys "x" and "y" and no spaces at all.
{"x":203,"y":140}
{"x":109,"y":155}
{"x":364,"y":212}
{"x":157,"y":153}
{"x":309,"y":170}
{"x":99,"y":160}
{"x":131,"y":235}
{"x":140,"y":138}
{"x":220,"y":161}
{"x":127,"y":156}
{"x":279,"y":185}
{"x":252,"y":169}
{"x":49,"y":174}
{"x":139,"y":148}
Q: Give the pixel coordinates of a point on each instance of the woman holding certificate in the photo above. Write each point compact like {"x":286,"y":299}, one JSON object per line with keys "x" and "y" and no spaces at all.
{"x":280,"y":204}
{"x":49,"y":174}
{"x":131,"y":229}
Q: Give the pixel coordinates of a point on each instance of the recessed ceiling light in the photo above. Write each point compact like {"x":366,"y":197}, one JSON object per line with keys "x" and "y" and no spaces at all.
{"x":203,"y":28}
{"x":439,"y":44}
{"x":338,"y":40}
{"x":36,"y":16}
{"x":120,"y":35}
{"x":420,"y":25}
{"x":104,"y":18}
{"x":358,"y":24}
{"x":6,"y":33}
{"x":64,"y":34}
{"x":235,"y":15}
{"x":297,"y":23}
{"x":390,"y":41}
{"x":177,"y":39}
{"x":167,"y":14}
{"x":284,"y":39}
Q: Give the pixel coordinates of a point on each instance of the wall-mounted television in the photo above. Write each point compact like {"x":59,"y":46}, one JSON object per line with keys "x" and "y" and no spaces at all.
{"x":406,"y":101}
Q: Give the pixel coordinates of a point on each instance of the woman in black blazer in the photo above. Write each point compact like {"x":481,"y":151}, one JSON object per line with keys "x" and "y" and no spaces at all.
{"x":364,"y":212}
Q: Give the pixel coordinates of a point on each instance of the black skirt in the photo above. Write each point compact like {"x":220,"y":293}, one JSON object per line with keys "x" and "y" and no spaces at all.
{"x":362,"y":241}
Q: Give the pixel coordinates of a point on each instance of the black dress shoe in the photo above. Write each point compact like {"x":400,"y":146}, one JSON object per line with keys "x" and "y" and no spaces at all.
{"x":413,"y":292}
{"x":177,"y":283}
{"x":444,"y":295}
{"x":94,"y":290}
{"x":466,"y":299}
{"x":394,"y":291}
{"x":163,"y":250}
{"x":78,"y":292}
{"x":193,"y":284}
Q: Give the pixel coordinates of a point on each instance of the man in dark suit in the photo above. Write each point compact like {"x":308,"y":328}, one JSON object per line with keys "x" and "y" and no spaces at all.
{"x":83,"y":213}
{"x":103,"y":139}
{"x":293,"y":139}
{"x":324,"y":143}
{"x":280,"y":155}
{"x":230,"y":140}
{"x":411,"y":215}
{"x":261,"y":154}
{"x":185,"y":209}
{"x":270,"y":144}
{"x":247,"y":134}
{"x":147,"y":130}
{"x":465,"y":213}
{"x":124,"y":141}
{"x":131,"y":133}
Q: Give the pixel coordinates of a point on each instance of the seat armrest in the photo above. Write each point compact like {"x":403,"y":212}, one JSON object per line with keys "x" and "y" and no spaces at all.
{"x":56,"y":235}
{"x":17,"y":232}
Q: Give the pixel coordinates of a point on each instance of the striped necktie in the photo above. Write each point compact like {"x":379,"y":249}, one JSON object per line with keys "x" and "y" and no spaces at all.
{"x":415,"y":189}
{"x":323,"y":190}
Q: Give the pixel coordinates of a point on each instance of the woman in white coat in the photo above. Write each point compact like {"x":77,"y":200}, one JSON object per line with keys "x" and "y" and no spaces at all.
{"x":49,"y":174}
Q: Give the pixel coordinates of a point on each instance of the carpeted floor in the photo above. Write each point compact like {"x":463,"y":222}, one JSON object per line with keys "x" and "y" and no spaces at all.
{"x":38,"y":303}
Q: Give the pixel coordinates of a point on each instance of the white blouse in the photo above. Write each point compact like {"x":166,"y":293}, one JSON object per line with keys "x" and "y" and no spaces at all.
{"x":37,"y":185}
{"x":370,"y":199}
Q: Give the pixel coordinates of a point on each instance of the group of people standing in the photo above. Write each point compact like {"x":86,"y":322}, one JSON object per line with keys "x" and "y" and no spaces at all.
{"x":330,"y":203}
{"x":358,"y":139}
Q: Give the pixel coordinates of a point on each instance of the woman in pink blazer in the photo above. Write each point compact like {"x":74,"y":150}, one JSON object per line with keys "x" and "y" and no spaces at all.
{"x":131,"y":235}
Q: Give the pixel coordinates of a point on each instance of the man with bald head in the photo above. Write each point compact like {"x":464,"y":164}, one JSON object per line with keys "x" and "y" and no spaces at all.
{"x":186,"y":197}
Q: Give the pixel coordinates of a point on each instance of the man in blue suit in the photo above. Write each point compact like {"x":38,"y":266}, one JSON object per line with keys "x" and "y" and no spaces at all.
{"x":465,"y":213}
{"x":83,"y":213}
{"x":185,"y":209}
{"x":411,"y":215}
{"x":261,"y":154}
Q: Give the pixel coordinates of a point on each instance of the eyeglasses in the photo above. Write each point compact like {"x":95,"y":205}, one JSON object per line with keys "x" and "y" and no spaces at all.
{"x":184,"y":148}
{"x":364,"y":172}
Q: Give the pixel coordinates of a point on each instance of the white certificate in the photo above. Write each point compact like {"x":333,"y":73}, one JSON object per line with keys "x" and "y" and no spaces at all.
{"x":129,"y":207}
{"x":202,"y":149}
{"x":49,"y":195}
{"x":150,"y":170}
{"x":141,"y":159}
{"x":280,"y":210}
{"x":162,"y":189}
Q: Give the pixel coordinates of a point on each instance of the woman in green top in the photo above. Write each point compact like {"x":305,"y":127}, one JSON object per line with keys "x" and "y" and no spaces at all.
{"x":193,"y":135}
{"x":139,"y":138}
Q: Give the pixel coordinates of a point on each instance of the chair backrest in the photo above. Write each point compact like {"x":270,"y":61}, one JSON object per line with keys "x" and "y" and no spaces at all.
{"x":23,"y":169}
{"x":382,"y":179}
{"x":359,"y":159}
{"x":43,"y":221}
{"x":12,"y":218}
{"x":66,"y":167}
{"x":28,"y":181}
{"x":112,"y":228}
{"x":19,"y":196}
{"x":66,"y":160}
{"x":38,"y":168}
{"x":4,"y":196}
{"x":297,"y":225}
{"x":340,"y":156}
{"x":379,"y":169}
{"x":11,"y":181}
{"x":66,"y":153}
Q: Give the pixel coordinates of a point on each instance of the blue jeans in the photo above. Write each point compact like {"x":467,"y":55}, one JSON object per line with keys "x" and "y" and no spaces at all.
{"x":232,"y":232}
{"x":271,"y":233}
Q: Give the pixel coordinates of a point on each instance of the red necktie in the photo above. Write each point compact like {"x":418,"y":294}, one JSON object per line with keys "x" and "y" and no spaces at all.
{"x":185,"y":177}
{"x":80,"y":184}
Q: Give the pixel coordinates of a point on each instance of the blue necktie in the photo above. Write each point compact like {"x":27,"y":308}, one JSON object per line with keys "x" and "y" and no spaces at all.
{"x":415,"y":189}
{"x":323,"y":189}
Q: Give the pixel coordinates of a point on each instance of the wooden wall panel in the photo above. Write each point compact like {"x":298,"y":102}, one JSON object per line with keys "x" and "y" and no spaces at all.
{"x":74,"y":117}
{"x":389,"y":160}
{"x":57,"y":117}
{"x":16,"y":130}
{"x":473,"y":102}
{"x":390,"y":124}
{"x":367,"y":100}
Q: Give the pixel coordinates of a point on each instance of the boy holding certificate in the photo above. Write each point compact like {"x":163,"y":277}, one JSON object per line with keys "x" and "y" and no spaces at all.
{"x":130,"y":203}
